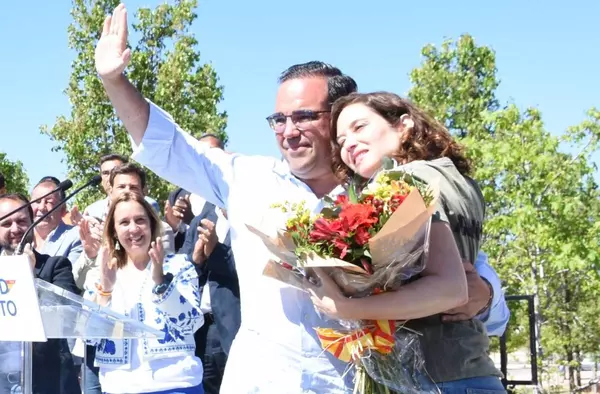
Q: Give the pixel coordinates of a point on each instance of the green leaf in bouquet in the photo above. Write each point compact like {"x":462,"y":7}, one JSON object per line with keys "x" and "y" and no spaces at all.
{"x":330,"y":213}
{"x":328,"y":201}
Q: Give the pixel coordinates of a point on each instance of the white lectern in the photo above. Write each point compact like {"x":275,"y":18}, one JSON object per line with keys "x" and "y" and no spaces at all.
{"x":32,"y":310}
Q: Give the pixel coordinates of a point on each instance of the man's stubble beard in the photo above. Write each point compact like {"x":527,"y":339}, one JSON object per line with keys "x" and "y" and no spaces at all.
{"x":9,"y":249}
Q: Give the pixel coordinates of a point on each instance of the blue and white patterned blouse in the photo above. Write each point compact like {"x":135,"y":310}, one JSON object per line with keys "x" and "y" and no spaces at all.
{"x":154,"y":364}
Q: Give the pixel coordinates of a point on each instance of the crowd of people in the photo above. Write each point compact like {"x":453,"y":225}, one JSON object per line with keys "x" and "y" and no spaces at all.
{"x":194,"y":271}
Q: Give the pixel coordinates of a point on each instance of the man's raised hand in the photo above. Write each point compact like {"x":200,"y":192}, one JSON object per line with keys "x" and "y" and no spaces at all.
{"x":112,"y":54}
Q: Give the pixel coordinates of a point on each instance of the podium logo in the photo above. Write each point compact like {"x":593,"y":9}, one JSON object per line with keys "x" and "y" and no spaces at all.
{"x":7,"y":307}
{"x":6,"y":285}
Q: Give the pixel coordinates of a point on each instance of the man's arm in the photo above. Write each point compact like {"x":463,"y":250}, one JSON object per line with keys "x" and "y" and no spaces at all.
{"x":130,"y":105}
{"x":159,"y":143}
{"x":497,"y":315}
{"x":112,"y":57}
{"x":486,"y":299}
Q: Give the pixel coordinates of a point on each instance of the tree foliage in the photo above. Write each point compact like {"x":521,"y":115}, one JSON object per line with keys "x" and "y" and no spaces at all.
{"x":165,"y":67}
{"x":15,"y":176}
{"x":543,"y":202}
{"x":456,"y":84}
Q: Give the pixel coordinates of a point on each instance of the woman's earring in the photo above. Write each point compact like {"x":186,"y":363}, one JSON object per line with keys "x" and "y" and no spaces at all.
{"x":117,"y":245}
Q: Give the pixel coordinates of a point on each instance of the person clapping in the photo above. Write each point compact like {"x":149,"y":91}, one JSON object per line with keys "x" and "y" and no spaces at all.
{"x":137,"y":279}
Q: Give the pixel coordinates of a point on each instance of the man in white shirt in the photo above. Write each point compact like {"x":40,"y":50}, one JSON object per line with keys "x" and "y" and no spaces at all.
{"x":277,"y":321}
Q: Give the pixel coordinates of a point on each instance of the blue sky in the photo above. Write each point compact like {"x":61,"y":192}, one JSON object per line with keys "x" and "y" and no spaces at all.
{"x":547,"y":57}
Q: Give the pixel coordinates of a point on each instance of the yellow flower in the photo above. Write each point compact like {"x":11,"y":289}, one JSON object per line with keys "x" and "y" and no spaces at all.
{"x":298,"y":213}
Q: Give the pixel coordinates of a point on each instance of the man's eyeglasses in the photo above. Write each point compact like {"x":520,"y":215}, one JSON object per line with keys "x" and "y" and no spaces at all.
{"x":299,"y":118}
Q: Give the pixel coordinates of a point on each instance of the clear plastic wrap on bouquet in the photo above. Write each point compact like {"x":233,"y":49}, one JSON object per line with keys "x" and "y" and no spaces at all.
{"x":402,"y":370}
{"x":385,"y":355}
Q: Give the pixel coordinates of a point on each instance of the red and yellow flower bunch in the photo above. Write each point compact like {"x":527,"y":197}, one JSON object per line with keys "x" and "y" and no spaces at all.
{"x":344,"y":228}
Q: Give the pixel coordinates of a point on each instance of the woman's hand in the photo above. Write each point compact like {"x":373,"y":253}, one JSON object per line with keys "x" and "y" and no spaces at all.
{"x":327,"y":297}
{"x":157,"y":255}
{"x":108,"y":270}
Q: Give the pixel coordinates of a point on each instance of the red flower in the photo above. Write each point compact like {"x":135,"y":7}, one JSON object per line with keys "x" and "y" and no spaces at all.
{"x":368,"y":199}
{"x":326,"y":230}
{"x":341,"y":200}
{"x":355,"y":215}
{"x":362,"y":236}
{"x":341,"y":247}
{"x":396,"y":201}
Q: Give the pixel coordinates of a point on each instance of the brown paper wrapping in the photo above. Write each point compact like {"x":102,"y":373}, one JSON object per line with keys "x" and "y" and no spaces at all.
{"x":277,"y":271}
{"x":405,"y":225}
{"x":405,"y":230}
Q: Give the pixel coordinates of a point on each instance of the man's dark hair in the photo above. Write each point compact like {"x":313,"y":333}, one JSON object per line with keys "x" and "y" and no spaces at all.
{"x":55,"y":182}
{"x":129,"y":169}
{"x":114,"y":156}
{"x":338,"y":84}
{"x":210,"y":135}
{"x":2,"y":181}
{"x":18,"y":197}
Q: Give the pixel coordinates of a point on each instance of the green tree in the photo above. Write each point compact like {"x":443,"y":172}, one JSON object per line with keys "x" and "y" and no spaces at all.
{"x":165,"y":67}
{"x":14,"y":175}
{"x":543,"y":204}
{"x":456,"y":84}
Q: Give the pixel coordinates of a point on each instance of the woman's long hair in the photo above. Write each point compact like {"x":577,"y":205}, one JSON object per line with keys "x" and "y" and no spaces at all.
{"x":426,"y":140}
{"x":110,"y":233}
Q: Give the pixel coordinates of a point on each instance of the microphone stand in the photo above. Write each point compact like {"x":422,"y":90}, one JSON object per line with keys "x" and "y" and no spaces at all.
{"x":66,"y":185}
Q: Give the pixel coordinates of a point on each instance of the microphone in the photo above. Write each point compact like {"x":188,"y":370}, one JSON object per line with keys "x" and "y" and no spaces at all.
{"x":64,"y":186}
{"x":95,"y":181}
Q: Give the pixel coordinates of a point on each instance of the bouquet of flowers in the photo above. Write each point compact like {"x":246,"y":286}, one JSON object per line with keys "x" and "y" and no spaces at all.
{"x":371,"y":240}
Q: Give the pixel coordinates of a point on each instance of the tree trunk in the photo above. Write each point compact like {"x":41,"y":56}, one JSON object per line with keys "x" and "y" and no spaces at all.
{"x":570,"y":369}
{"x":578,"y":368}
{"x":538,"y":322}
